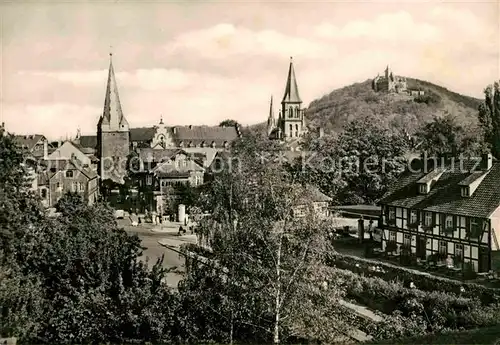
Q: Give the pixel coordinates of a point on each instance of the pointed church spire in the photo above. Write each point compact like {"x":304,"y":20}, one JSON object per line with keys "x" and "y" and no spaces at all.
{"x":112,"y":113}
{"x":291,"y":89}
{"x":271,"y":121}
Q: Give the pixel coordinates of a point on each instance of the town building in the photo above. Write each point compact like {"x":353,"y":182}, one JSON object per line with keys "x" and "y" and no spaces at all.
{"x":36,"y":145}
{"x":312,"y":196}
{"x":71,"y":150}
{"x":290,"y":124}
{"x":445,"y":210}
{"x":116,"y":139}
{"x":60,"y":176}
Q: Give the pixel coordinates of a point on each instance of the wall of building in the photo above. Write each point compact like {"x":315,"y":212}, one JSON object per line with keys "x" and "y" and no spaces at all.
{"x":114,"y":151}
{"x":434,"y":237}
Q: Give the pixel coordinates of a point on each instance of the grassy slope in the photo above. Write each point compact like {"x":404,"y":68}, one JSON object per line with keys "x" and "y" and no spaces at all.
{"x":359,"y":101}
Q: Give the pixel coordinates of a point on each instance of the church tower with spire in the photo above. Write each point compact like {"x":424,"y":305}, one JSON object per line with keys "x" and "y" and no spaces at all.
{"x":112,"y":134}
{"x":291,"y":121}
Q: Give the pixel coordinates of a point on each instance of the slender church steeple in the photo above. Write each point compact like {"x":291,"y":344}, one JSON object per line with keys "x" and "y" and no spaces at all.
{"x":291,"y":89}
{"x":112,"y":115}
{"x":271,"y":121}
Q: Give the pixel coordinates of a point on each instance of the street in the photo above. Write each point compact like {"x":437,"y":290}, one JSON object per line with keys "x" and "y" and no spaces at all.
{"x":153,"y":250}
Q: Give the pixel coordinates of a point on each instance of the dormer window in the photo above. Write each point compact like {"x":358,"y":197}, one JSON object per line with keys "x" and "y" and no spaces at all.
{"x":422,"y":188}
{"x":69,"y":173}
{"x":465,"y":191}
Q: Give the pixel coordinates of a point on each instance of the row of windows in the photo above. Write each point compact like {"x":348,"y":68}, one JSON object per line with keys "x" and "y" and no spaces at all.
{"x":425,"y":246}
{"x":294,"y":112}
{"x":459,"y":226}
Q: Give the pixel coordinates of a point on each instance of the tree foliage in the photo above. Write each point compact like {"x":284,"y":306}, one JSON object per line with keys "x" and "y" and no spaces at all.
{"x":445,"y":135}
{"x":75,"y":278}
{"x":355,"y":166}
{"x":267,"y":269}
{"x":489,"y":117}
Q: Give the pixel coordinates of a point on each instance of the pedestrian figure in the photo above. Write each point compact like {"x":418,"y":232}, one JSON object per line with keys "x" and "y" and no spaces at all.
{"x":412,"y":285}
{"x":181,"y":230}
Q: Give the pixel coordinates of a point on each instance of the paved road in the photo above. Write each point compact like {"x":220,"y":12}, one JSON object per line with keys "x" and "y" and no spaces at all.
{"x":153,"y":250}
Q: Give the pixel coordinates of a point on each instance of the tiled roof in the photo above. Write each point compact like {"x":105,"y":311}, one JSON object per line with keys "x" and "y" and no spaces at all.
{"x":153,"y":155}
{"x":88,"y":141}
{"x":142,"y":133}
{"x":199,"y":134}
{"x":445,"y":195}
{"x":28,"y":141}
{"x":54,"y":166}
{"x":171,"y":169}
{"x":315,"y":194}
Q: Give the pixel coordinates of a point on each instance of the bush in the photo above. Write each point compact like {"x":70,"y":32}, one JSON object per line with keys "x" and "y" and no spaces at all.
{"x":440,"y":310}
{"x":423,"y":281}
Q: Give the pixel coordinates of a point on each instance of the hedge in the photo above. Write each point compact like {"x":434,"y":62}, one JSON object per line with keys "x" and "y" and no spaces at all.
{"x":423,"y":281}
{"x":441,"y":310}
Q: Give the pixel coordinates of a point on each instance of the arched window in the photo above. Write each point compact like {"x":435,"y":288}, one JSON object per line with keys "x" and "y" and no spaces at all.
{"x":291,"y":130}
{"x":290,"y":112}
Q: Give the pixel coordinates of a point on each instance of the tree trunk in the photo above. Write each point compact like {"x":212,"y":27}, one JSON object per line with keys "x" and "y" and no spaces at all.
{"x":276,"y":339}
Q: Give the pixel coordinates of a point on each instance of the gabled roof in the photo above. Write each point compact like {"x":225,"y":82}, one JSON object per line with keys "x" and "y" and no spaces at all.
{"x":177,"y":169}
{"x":445,"y":195}
{"x":54,"y":166}
{"x":291,"y":89}
{"x":314,"y":194}
{"x":28,"y":141}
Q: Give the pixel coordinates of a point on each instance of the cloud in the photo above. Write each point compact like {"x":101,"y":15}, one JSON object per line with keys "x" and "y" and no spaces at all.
{"x":398,"y":26}
{"x":227,"y":40}
{"x":52,"y":120}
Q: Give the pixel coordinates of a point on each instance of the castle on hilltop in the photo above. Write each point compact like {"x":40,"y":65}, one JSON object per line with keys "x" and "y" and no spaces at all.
{"x":290,"y":124}
{"x":393,"y":84}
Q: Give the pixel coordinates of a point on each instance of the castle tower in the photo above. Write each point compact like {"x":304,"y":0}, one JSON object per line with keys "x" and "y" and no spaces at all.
{"x":291,"y":121}
{"x":113,"y":133}
{"x":271,"y":121}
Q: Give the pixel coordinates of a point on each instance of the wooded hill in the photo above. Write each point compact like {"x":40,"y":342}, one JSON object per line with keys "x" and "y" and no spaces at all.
{"x":397,"y":111}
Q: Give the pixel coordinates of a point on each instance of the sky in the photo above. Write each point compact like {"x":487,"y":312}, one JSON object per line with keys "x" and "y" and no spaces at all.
{"x":200,"y":62}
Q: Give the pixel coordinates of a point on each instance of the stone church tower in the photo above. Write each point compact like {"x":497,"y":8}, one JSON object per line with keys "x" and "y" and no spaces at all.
{"x":112,"y":134}
{"x":291,"y":120}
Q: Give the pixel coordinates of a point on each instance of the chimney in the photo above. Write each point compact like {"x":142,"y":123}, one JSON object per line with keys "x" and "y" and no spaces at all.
{"x":321,"y":132}
{"x":45,"y":149}
{"x":486,"y":161}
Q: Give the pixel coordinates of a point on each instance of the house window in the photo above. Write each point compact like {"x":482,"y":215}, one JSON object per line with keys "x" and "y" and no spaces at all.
{"x":422,"y":188}
{"x":475,"y":231}
{"x":465,"y":191}
{"x":392,"y":236}
{"x":74,"y":186}
{"x":291,"y":130}
{"x":69,"y":173}
{"x":149,"y":180}
{"x":392,"y":213}
{"x":407,"y":240}
{"x":413,"y":217}
{"x":449,"y":222}
{"x":443,"y":248}
{"x":459,"y":252}
{"x":44,"y":193}
{"x":81,"y":187}
{"x":428,"y":218}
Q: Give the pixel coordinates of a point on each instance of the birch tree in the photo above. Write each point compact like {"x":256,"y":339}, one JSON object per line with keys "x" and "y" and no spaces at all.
{"x":269,"y":247}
